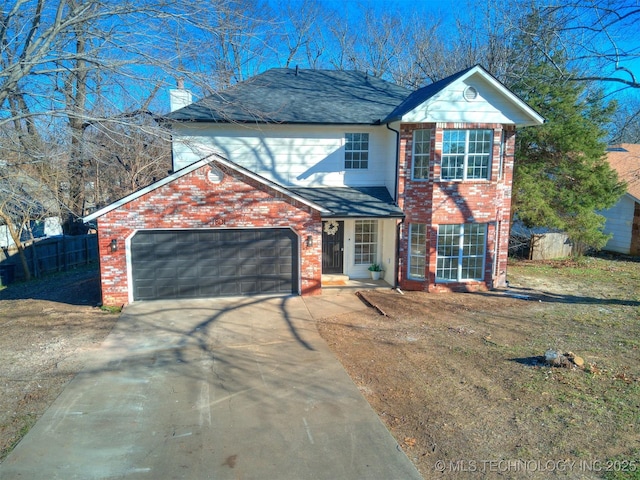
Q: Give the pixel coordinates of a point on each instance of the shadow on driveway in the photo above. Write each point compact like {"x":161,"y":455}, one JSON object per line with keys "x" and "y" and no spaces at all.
{"x":218,"y":388}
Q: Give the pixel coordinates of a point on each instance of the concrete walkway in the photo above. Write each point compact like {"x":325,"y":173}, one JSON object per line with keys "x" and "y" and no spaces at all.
{"x":235,"y":388}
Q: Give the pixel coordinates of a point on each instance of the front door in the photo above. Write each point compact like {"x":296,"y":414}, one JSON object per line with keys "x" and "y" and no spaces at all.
{"x":332,"y":246}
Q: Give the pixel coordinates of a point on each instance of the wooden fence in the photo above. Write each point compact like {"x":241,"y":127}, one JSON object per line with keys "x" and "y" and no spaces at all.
{"x":548,"y":246}
{"x":50,"y":255}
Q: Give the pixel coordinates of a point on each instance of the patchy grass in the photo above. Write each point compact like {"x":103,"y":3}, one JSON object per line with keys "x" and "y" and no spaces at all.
{"x":462,"y":375}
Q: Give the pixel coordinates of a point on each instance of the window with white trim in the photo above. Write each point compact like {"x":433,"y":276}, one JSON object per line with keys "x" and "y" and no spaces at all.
{"x":466,"y":154}
{"x":366,"y":244}
{"x":417,"y":250}
{"x":421,"y":154}
{"x":461,"y":252}
{"x":356,"y":151}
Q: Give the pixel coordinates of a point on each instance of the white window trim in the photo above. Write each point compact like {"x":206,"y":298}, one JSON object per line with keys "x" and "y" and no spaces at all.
{"x":376,"y":232}
{"x":410,"y":256}
{"x":466,"y":157}
{"x":459,"y":278}
{"x":368,"y":151}
{"x":413,"y":156}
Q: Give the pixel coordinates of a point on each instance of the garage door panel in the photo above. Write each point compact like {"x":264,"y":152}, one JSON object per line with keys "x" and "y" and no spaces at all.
{"x":249,"y":287}
{"x":248,"y":270}
{"x":248,"y":252}
{"x":222,"y":262}
{"x":228,"y":271}
{"x":285,"y":270}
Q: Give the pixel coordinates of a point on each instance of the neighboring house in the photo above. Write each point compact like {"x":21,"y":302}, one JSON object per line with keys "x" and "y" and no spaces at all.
{"x":295,"y":175}
{"x":623,"y":219}
{"x":25,"y":199}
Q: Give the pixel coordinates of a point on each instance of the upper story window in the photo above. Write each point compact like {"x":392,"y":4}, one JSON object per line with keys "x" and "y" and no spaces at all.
{"x":356,"y":150}
{"x":466,"y":154}
{"x":421,"y":153}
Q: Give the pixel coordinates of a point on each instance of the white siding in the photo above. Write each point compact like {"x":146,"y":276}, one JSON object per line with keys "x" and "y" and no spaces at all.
{"x":291,"y":155}
{"x":619,"y":222}
{"x":491,"y":106}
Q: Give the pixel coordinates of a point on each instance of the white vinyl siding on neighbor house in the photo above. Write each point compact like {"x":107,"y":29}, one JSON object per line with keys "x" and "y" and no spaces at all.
{"x":291,"y":155}
{"x":461,"y":252}
{"x":466,"y":154}
{"x":618,"y":224}
{"x":421,"y":154}
{"x":417,"y":250}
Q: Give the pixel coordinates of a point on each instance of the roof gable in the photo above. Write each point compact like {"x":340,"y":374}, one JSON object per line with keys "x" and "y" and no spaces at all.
{"x":625,"y":159}
{"x":284,"y":95}
{"x":194,"y":166}
{"x":472,"y":95}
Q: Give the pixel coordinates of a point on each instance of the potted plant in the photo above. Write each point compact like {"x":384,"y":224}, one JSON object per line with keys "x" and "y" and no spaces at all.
{"x":376,"y":271}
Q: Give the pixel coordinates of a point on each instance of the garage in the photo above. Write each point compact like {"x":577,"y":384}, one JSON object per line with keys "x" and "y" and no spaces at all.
{"x":213,"y":263}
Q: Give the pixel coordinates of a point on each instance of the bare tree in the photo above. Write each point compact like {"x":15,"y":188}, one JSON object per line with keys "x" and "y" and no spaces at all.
{"x":626,"y":121}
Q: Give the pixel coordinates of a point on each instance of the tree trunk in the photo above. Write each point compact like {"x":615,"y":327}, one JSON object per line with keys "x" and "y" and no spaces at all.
{"x":15,"y":235}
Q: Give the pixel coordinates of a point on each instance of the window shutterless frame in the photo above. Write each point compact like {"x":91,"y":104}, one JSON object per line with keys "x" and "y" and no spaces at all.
{"x":417,"y":251}
{"x":366,"y":242}
{"x":466,"y":154}
{"x":421,"y":154}
{"x":461,"y":252}
{"x":356,"y":151}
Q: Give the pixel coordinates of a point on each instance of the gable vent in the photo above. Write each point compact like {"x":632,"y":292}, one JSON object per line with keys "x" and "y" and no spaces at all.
{"x":470,"y":93}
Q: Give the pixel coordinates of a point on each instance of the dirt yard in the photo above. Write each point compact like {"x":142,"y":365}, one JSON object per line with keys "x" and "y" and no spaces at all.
{"x":459,"y":381}
{"x":46,"y":328}
{"x":458,"y":378}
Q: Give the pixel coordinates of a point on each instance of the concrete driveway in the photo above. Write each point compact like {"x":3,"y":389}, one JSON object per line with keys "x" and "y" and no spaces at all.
{"x":234,"y":388}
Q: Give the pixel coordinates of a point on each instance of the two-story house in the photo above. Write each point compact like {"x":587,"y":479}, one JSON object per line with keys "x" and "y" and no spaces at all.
{"x":295,"y":174}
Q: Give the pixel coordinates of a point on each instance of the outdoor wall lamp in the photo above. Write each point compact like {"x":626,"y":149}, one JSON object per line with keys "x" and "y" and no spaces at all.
{"x":114,"y":245}
{"x":309,"y":241}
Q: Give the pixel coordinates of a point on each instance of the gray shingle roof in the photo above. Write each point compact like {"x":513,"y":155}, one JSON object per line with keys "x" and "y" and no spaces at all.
{"x":309,"y":97}
{"x":354,"y":202}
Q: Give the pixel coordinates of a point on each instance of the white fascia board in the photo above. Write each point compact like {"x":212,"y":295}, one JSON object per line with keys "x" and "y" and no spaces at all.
{"x":191,"y":168}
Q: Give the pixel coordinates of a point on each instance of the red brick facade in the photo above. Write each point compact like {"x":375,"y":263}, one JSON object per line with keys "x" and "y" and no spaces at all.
{"x":434,"y":202}
{"x":193,"y":201}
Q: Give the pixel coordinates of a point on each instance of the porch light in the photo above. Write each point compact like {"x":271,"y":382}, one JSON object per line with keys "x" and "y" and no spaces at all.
{"x":309,"y":241}
{"x":114,"y":245}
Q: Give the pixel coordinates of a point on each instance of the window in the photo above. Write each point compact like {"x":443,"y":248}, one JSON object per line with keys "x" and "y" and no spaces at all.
{"x":366,"y":243}
{"x":417,"y":250}
{"x":356,"y":150}
{"x":461,"y":252}
{"x":466,"y":154}
{"x":421,"y":151}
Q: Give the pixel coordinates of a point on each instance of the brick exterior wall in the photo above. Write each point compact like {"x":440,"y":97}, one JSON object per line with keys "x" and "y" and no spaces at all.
{"x":192,"y":201}
{"x":434,"y":202}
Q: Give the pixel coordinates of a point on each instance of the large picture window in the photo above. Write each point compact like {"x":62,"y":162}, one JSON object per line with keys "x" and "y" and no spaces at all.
{"x":466,"y":154}
{"x":366,"y":244}
{"x":356,"y":150}
{"x":417,"y":250}
{"x":421,"y":153}
{"x":461,"y":252}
